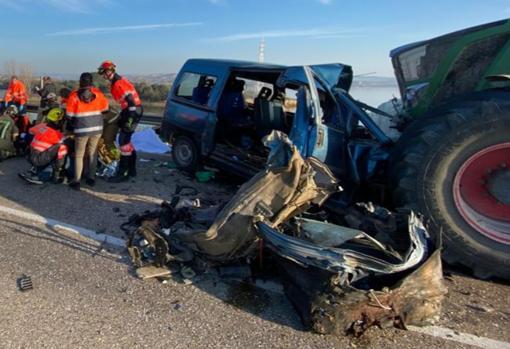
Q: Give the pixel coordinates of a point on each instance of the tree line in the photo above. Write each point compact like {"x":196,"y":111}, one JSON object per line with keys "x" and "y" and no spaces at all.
{"x":148,"y":92}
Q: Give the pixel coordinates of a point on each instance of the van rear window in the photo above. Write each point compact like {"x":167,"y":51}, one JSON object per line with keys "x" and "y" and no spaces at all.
{"x":195,"y":87}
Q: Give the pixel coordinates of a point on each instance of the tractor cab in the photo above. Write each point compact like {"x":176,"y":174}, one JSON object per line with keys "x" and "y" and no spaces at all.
{"x":434,"y":72}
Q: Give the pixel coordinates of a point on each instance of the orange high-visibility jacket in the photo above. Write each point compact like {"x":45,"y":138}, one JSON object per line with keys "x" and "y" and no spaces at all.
{"x":87,"y":118}
{"x":120,"y":89}
{"x":16,"y":92}
{"x":45,"y":137}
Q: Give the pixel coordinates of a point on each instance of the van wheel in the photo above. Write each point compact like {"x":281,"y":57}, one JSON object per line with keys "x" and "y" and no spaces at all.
{"x":185,"y":153}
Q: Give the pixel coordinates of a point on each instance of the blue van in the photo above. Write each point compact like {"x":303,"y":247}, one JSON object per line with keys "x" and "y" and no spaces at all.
{"x":218,"y":111}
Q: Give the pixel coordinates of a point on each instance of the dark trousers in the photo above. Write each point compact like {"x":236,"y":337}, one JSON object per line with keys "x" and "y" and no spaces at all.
{"x":42,"y":159}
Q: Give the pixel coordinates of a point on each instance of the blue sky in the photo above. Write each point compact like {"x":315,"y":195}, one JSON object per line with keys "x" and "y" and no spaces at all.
{"x":157,"y":36}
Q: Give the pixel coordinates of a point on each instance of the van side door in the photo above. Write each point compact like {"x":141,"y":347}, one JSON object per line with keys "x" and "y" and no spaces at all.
{"x":190,"y":108}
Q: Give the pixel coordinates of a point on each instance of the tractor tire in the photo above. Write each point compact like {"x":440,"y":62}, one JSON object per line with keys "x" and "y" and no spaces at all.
{"x":455,"y":170}
{"x":185,"y":154}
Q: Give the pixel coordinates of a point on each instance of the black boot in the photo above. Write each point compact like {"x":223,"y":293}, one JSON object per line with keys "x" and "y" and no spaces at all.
{"x":57,"y":177}
{"x":123,"y":172}
{"x":132,"y":164}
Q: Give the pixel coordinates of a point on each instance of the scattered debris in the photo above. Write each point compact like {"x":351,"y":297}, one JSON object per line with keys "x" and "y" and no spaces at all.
{"x":185,"y":190}
{"x":25,"y":283}
{"x":480,"y":308}
{"x":187,"y":203}
{"x":168,"y":164}
{"x":151,"y":271}
{"x":235,"y":271}
{"x":188,"y":273}
{"x":376,"y":267}
{"x":204,"y":176}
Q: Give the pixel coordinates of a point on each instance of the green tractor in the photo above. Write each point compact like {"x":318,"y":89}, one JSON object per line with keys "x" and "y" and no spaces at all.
{"x":452,"y":160}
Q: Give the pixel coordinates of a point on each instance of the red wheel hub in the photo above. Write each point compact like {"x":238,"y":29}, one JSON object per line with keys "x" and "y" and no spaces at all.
{"x":481,"y":192}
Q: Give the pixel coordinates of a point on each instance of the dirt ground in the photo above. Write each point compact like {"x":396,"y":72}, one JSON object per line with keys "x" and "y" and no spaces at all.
{"x":78,"y":283}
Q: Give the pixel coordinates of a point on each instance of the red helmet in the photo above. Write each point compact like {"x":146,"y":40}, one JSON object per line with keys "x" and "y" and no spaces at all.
{"x":106,"y":65}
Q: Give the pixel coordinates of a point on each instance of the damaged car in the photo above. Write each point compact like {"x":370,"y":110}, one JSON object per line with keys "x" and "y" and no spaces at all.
{"x":367,"y":267}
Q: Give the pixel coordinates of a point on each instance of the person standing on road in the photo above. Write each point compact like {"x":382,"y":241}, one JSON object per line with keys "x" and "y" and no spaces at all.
{"x":85,"y":109}
{"x":16,"y":94}
{"x":125,"y":94}
{"x":46,"y":91}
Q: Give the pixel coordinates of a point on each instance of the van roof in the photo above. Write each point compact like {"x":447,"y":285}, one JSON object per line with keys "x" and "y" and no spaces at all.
{"x":230,"y":63}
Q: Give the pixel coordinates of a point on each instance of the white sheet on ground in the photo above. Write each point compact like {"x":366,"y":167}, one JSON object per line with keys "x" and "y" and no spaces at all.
{"x":148,"y":141}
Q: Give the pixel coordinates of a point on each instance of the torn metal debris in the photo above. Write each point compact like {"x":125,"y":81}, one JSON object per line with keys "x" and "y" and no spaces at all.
{"x":25,"y":283}
{"x":375,"y":268}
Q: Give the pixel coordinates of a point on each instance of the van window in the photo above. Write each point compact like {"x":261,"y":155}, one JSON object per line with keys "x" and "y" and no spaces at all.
{"x":252,"y":88}
{"x":196,"y":87}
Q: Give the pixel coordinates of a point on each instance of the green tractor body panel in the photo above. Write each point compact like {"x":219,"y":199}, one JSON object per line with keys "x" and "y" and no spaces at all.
{"x":433,"y":72}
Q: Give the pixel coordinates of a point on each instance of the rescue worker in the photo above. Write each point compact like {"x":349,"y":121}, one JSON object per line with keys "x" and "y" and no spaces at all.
{"x":125,"y":94}
{"x":110,"y":131}
{"x":64,"y":95}
{"x":46,"y":90}
{"x":16,"y":94}
{"x":8,"y":133}
{"x":47,"y":149}
{"x":49,"y":103}
{"x":85,"y":108}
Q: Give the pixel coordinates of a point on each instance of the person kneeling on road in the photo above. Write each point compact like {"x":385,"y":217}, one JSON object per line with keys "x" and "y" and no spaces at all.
{"x":47,"y":149}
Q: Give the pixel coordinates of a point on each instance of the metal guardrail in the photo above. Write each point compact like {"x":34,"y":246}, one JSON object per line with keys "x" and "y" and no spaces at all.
{"x":147,"y":119}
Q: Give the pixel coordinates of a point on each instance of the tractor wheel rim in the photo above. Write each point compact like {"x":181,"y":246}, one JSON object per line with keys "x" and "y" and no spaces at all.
{"x":480,"y":189}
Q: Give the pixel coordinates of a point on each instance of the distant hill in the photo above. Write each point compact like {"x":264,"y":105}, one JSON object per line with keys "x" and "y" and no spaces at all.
{"x":168,"y":78}
{"x":374,"y":81}
{"x":162,"y":79}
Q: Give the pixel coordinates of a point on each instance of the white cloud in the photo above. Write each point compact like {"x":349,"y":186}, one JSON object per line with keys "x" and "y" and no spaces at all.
{"x":218,"y":2}
{"x":12,"y":4}
{"x":325,"y":2}
{"x":107,"y":30}
{"x":77,"y":6}
{"x":316,"y":33}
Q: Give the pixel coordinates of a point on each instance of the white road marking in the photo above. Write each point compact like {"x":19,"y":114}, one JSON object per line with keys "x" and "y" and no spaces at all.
{"x":435,"y":331}
{"x":104,"y":238}
{"x":460,"y":337}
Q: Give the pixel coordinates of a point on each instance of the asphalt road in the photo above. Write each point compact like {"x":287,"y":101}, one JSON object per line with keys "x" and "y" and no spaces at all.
{"x":85,"y":296}
{"x":106,"y":206}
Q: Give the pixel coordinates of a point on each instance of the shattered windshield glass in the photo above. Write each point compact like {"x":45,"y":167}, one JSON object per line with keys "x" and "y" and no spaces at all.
{"x":335,"y":75}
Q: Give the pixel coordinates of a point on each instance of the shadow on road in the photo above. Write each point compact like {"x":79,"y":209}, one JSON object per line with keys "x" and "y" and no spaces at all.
{"x":52,"y":235}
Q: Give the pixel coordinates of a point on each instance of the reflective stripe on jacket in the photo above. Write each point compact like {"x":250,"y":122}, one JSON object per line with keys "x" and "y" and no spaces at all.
{"x":46,"y":137}
{"x":120,"y":89}
{"x":16,"y":92}
{"x":87,"y":117}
